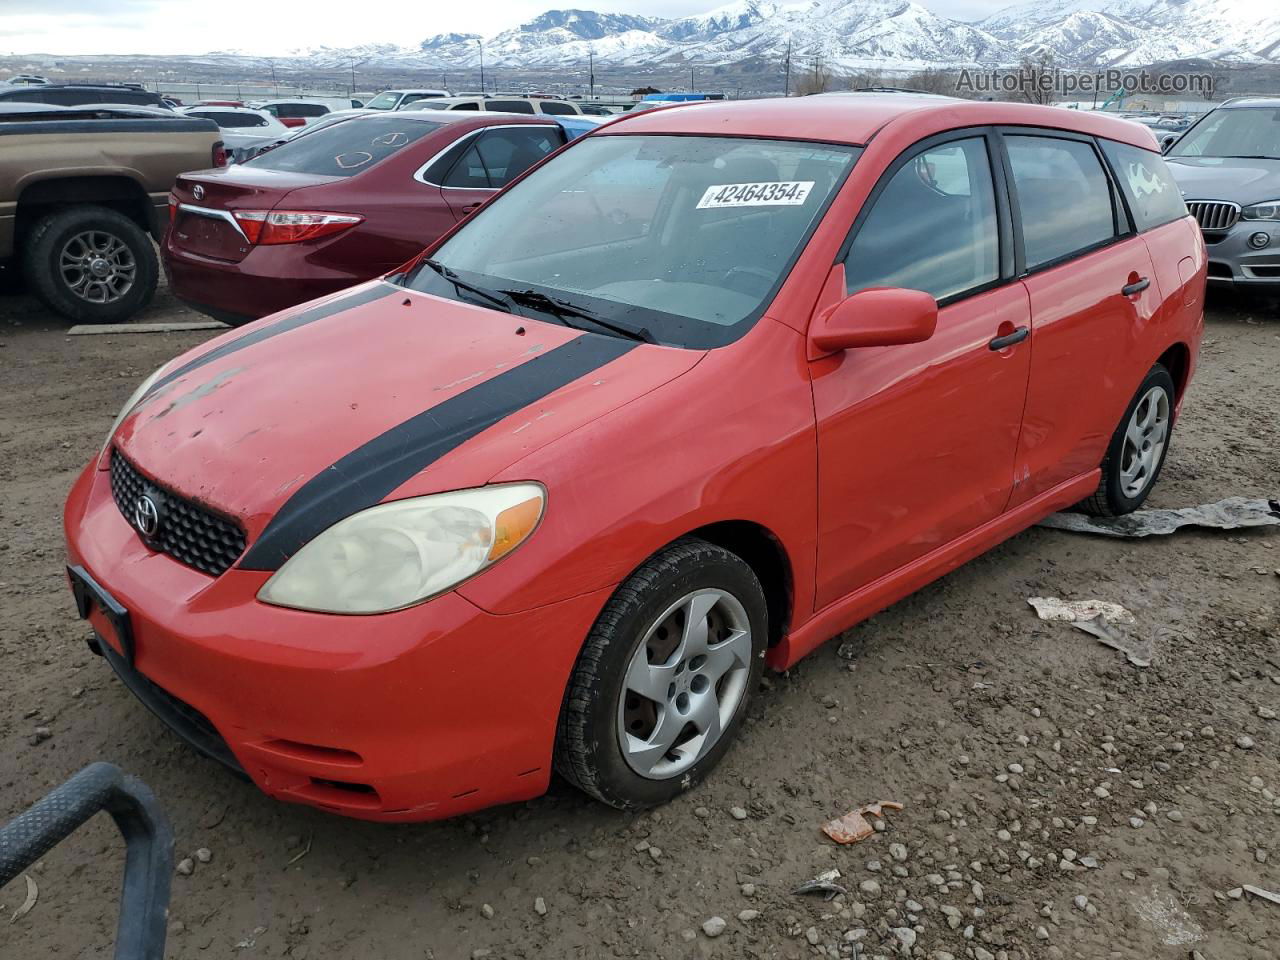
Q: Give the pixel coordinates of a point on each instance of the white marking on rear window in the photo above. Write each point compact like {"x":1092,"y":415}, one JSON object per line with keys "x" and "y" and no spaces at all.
{"x":777,"y":193}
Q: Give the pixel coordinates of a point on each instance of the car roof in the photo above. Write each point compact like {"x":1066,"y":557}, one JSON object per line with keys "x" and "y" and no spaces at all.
{"x":1250,"y":102}
{"x":856,"y":119}
{"x":212,"y":108}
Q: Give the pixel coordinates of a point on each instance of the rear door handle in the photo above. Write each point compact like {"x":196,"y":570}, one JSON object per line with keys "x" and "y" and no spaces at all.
{"x":1130,"y":289}
{"x":1009,"y":339}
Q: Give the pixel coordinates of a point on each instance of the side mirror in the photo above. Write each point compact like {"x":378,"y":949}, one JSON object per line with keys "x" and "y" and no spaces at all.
{"x":878,"y":317}
{"x":1167,"y":141}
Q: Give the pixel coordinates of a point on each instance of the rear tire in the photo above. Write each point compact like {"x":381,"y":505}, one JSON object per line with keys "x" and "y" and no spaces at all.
{"x":610,"y":741}
{"x":1137,"y":450}
{"x":91,"y":264}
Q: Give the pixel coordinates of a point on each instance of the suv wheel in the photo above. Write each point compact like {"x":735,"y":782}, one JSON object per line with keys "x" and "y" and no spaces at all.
{"x":91,"y":264}
{"x":662,"y":682}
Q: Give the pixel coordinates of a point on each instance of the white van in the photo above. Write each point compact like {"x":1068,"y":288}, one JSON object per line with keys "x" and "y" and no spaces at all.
{"x":562,"y":108}
{"x":396,"y":99}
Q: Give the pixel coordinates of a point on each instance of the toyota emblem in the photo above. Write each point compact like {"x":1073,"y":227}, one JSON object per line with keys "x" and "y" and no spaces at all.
{"x":198,"y":192}
{"x":146,"y":516}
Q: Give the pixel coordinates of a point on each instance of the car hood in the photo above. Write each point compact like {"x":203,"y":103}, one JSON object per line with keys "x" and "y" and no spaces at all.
{"x":1226,"y":178}
{"x":376,"y":393}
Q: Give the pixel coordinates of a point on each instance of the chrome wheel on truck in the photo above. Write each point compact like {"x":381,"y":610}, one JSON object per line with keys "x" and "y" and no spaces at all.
{"x":97,"y":266}
{"x":91,"y":264}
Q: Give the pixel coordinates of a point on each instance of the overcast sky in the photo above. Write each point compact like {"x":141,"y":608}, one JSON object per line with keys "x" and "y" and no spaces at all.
{"x":273,"y":27}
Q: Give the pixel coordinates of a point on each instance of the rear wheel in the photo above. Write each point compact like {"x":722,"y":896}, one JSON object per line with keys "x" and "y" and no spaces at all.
{"x":91,"y":264}
{"x":663,"y":680}
{"x":1137,"y":449}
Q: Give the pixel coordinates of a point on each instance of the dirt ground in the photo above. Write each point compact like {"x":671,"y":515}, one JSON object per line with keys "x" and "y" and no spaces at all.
{"x":1059,"y":802}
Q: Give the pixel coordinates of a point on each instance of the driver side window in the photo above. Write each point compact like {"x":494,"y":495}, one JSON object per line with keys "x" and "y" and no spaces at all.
{"x":933,"y":227}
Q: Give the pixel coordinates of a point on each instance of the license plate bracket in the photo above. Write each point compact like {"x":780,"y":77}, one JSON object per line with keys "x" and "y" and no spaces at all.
{"x":88,"y":592}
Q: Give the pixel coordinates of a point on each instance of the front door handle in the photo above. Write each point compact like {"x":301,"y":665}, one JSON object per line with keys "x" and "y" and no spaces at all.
{"x":1130,"y":289}
{"x":1009,"y":339}
{"x":471,"y":206}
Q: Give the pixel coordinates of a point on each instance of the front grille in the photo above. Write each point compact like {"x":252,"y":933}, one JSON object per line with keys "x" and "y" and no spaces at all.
{"x":1214,"y":214}
{"x":187,"y":532}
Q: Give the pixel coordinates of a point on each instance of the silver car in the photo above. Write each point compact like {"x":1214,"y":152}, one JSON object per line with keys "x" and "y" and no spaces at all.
{"x":1227,"y":166}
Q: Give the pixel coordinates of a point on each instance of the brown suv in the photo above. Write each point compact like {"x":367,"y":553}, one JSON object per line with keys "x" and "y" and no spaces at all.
{"x":82,"y":193}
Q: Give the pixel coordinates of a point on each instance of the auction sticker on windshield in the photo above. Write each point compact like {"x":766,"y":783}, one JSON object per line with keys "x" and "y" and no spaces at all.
{"x":770,"y":194}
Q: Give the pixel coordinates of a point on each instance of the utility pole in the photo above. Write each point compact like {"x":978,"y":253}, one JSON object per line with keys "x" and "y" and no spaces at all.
{"x":692,"y":85}
{"x":591,"y":74}
{"x":353,"y":76}
{"x":481,"y":42}
{"x":787,"y":91}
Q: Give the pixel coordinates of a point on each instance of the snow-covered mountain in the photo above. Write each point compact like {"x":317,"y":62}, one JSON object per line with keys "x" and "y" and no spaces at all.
{"x":853,"y":34}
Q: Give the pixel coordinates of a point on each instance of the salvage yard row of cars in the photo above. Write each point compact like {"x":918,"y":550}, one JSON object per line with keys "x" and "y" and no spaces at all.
{"x":401,"y":549}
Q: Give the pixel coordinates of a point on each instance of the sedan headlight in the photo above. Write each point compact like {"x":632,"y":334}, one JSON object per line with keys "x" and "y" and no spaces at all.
{"x":1267,"y":210}
{"x":398,"y":554}
{"x":134,"y":399}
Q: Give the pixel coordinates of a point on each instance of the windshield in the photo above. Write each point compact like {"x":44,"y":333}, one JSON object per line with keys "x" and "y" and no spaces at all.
{"x":685,"y":237}
{"x":345,"y":149}
{"x":1235,"y":132}
{"x":384,"y":101}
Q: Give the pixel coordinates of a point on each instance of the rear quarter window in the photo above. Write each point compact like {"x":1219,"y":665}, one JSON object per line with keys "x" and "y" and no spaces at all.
{"x":1147,"y":183}
{"x":345,"y":149}
{"x":509,"y":106}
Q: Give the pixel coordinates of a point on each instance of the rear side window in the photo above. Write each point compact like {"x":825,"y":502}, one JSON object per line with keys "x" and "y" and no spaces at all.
{"x":933,"y":227}
{"x":345,"y":149}
{"x":510,"y":106}
{"x":497,"y":157}
{"x":468,"y":173}
{"x":560,"y":109}
{"x":509,"y":153}
{"x":1147,"y":184}
{"x":1064,"y":196}
{"x":470,"y":105}
{"x":233,"y":121}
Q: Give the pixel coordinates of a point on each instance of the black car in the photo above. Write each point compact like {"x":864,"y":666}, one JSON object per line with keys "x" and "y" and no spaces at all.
{"x":81,"y":94}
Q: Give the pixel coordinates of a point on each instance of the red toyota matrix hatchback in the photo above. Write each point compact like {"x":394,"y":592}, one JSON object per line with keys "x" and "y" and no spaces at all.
{"x":694,"y":395}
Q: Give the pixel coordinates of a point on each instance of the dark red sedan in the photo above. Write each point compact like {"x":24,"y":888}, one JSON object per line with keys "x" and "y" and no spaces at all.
{"x":337,"y":206}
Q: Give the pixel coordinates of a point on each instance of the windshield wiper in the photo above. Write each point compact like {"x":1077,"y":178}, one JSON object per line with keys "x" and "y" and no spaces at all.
{"x":502,"y":303}
{"x":564,"y":309}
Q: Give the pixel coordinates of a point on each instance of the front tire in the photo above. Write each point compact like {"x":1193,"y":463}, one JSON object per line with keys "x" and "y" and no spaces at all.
{"x":91,"y":264}
{"x":1137,"y":450}
{"x":663,"y":681}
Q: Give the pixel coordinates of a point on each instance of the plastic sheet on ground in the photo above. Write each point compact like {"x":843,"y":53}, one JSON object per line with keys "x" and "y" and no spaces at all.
{"x":1233,"y":513}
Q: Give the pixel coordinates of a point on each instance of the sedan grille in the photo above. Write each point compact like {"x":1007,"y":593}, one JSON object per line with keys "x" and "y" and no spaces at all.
{"x":1214,"y":214}
{"x":184,"y":530}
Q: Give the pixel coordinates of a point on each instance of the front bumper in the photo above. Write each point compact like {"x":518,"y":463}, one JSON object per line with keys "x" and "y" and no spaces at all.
{"x":420,"y":714}
{"x":1232,"y":261}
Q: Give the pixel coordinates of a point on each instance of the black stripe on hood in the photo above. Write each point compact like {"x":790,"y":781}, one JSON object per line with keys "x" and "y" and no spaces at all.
{"x":267,"y":331}
{"x":365,"y":476}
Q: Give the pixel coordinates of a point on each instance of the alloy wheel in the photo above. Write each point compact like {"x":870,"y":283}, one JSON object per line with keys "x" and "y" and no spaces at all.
{"x":97,"y":266}
{"x":1144,"y":442}
{"x":684,"y":683}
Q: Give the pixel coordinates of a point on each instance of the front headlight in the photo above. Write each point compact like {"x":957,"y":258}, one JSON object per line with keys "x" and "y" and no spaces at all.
{"x":398,"y":554}
{"x":1266,"y":210}
{"x":129,"y":404}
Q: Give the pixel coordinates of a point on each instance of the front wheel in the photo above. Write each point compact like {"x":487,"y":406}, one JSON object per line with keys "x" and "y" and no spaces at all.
{"x":663,"y":680}
{"x":1137,"y":449}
